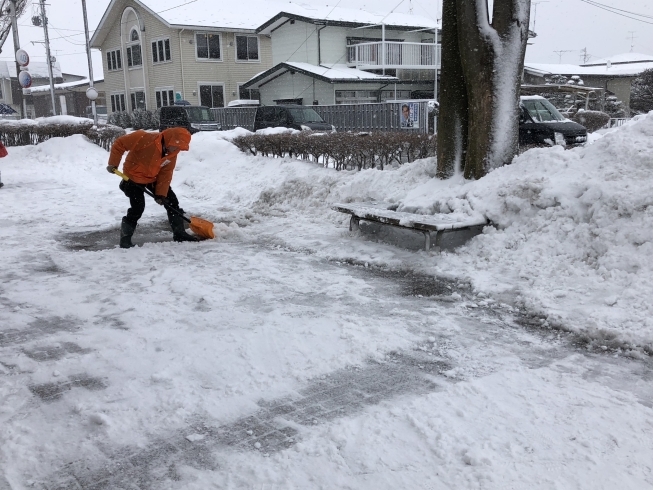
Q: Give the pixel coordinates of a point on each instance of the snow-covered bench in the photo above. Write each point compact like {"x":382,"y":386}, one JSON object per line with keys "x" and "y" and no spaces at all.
{"x":382,"y":212}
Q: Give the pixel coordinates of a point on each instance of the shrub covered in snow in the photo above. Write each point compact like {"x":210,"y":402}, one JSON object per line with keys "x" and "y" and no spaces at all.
{"x":32,"y":132}
{"x":592,"y":120}
{"x":137,"y":119}
{"x":29,"y":132}
{"x":641,"y":96}
{"x":104,"y":136}
{"x":341,"y":150}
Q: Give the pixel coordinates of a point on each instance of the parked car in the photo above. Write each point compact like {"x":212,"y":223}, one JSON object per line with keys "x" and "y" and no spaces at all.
{"x":540,"y":123}
{"x":290,"y":116}
{"x":100,"y":110}
{"x":192,"y":117}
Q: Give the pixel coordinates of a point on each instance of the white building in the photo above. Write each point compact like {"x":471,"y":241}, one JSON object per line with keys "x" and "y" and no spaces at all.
{"x":338,"y":55}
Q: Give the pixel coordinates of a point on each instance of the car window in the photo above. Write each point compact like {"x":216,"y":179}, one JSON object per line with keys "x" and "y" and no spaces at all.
{"x":541,"y":110}
{"x":305,"y":115}
{"x":265,"y":114}
{"x":199,"y":114}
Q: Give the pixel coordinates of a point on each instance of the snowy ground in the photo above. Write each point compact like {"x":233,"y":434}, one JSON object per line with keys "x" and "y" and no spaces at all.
{"x":289,"y":353}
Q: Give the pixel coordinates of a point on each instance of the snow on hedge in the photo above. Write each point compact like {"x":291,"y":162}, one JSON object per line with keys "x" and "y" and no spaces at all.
{"x":48,"y":120}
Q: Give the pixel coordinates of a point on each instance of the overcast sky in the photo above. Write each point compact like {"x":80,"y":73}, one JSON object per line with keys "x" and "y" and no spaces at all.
{"x":561,"y":25}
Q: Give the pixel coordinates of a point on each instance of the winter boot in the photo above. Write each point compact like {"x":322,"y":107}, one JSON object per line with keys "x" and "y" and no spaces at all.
{"x":178,"y":232}
{"x":126,"y":231}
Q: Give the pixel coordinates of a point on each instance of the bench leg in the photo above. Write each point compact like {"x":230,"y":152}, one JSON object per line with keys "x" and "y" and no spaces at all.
{"x":427,"y":240}
{"x":438,"y":237}
{"x":354,"y":223}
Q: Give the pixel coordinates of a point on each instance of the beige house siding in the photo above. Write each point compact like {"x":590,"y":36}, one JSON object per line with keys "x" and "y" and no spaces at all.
{"x":184,"y":72}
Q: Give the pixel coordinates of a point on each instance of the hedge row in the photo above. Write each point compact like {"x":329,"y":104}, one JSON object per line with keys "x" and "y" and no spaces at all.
{"x":341,"y":150}
{"x":33,"y":134}
{"x":137,"y":119}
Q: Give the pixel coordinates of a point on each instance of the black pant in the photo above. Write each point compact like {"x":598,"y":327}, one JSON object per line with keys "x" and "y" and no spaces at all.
{"x":136,"y":194}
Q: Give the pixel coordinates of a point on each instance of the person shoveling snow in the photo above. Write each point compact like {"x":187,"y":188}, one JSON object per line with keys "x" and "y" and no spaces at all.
{"x":148,"y":169}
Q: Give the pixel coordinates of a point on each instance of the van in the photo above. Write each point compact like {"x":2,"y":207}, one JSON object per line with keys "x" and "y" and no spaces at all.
{"x":290,"y":116}
{"x":192,"y":117}
{"x":540,"y":123}
{"x":100,"y":110}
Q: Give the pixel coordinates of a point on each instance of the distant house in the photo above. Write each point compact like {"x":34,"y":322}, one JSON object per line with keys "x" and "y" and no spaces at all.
{"x":344,"y":56}
{"x":69,"y":97}
{"x":158,"y":51}
{"x":12,"y":94}
{"x":613,"y":74}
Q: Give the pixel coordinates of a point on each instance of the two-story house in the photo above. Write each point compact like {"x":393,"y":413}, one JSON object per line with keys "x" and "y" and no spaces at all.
{"x":158,"y":51}
{"x":339,"y":56}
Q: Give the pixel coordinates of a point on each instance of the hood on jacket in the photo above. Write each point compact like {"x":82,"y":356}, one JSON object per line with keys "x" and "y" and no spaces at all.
{"x":179,"y":137}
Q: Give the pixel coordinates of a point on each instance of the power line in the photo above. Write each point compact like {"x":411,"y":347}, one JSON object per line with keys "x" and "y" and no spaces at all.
{"x":616,"y":11}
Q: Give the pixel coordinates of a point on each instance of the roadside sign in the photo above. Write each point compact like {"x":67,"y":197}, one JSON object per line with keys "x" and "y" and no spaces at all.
{"x":22,"y":58}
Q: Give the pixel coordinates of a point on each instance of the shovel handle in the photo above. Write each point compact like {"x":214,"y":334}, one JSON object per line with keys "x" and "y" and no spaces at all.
{"x":151,"y":194}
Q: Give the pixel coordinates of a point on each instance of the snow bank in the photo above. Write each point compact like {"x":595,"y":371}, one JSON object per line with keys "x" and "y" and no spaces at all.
{"x":575,"y":232}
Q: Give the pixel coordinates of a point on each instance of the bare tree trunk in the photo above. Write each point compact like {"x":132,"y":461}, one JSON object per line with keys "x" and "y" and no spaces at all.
{"x":492,"y":56}
{"x":482,"y":63}
{"x":452,"y":118}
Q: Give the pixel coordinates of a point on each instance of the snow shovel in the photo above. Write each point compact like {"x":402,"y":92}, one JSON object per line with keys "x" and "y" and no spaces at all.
{"x":199,"y":226}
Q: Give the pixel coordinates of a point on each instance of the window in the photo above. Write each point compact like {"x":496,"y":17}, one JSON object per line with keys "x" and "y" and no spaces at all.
{"x":118,"y":103}
{"x":165,"y":97}
{"x":248,"y":93}
{"x":212,"y":95}
{"x":208,"y":46}
{"x":138,"y":100}
{"x":134,"y":55}
{"x":247,"y":48}
{"x":133,"y":35}
{"x":161,"y":51}
{"x":114,"y":60}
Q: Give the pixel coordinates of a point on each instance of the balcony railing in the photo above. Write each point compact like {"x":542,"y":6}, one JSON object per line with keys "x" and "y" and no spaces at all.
{"x":369,"y":56}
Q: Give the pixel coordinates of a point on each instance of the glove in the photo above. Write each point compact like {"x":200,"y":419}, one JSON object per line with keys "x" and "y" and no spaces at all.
{"x":160,"y":200}
{"x":111,"y":169}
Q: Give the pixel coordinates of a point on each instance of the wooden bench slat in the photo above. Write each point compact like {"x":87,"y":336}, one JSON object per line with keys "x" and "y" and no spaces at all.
{"x":379,"y":212}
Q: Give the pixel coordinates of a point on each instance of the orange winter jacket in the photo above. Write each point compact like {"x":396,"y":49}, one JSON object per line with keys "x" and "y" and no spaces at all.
{"x":145,"y":162}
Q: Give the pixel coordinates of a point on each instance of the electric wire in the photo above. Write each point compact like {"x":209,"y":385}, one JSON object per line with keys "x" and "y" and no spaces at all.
{"x":613,"y":11}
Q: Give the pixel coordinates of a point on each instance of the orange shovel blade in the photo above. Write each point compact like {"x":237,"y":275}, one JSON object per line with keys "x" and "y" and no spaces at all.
{"x":201,"y":227}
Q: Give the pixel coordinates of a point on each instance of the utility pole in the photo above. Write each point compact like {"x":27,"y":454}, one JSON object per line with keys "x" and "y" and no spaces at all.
{"x":559,"y":53}
{"x":90,"y":65}
{"x":14,"y":29}
{"x":44,"y":20}
{"x":632,"y":40}
{"x":535,"y":4}
{"x":584,"y":56}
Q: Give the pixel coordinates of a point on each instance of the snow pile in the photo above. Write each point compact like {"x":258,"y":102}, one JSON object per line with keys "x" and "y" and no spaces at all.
{"x":73,"y":120}
{"x":575,"y":232}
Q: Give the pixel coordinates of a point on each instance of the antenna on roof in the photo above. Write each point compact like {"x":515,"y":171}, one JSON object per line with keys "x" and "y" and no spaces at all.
{"x":560,"y":53}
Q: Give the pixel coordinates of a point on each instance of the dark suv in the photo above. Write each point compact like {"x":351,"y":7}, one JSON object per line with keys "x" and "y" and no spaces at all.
{"x":192,"y":117}
{"x":540,"y":123}
{"x":290,"y":116}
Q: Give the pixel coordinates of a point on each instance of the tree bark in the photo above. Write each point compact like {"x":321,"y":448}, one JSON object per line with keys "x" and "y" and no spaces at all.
{"x":452,"y":117}
{"x":491,"y":56}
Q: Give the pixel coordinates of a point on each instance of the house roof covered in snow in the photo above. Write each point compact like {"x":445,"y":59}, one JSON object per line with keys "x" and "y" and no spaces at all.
{"x":67,"y":85}
{"x":347,"y":17}
{"x":38,"y":69}
{"x":622,"y":59}
{"x":619,"y":69}
{"x":330,"y":74}
{"x":247,"y":15}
